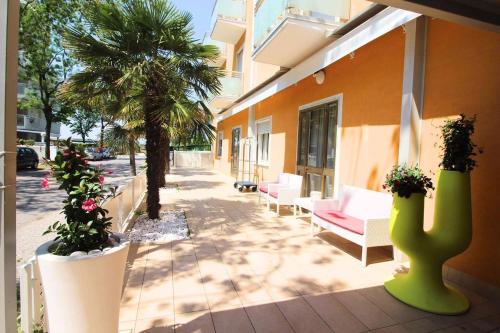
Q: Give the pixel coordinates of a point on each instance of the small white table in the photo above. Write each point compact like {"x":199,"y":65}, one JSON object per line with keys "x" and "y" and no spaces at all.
{"x":305,"y":202}
{"x":302,"y":203}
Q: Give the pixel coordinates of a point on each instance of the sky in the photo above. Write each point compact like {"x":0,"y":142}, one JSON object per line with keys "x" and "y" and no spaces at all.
{"x":201,"y":11}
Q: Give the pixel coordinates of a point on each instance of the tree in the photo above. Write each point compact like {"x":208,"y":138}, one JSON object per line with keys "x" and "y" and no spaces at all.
{"x":152,"y":44}
{"x":42,"y":58}
{"x":83,"y":121}
{"x":123,"y":138}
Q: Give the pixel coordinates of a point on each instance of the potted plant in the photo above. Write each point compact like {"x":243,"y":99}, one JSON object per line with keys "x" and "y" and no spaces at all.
{"x":423,"y":286}
{"x":82,"y":269}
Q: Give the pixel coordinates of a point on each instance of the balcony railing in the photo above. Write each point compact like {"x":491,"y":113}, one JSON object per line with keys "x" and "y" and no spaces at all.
{"x":232,"y":88}
{"x":270,"y":13}
{"x":30,"y":123}
{"x":228,"y":20}
{"x":221,"y":46}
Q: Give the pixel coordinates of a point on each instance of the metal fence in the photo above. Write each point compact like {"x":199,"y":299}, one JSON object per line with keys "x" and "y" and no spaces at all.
{"x":121,"y":208}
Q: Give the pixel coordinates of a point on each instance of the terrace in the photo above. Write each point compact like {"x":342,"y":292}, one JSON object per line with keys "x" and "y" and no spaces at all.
{"x":246,"y":270}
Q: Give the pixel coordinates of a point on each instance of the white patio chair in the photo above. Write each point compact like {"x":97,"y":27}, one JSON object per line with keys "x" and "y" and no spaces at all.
{"x":264,"y":186}
{"x":284,"y":194}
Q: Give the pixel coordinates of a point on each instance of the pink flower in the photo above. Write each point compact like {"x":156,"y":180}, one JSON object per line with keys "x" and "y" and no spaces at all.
{"x":45,"y":183}
{"x":89,"y":205}
{"x":101,"y":179}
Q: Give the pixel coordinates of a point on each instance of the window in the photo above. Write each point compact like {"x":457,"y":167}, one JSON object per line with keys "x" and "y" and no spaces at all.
{"x":263,"y":138}
{"x":220,"y":139}
{"x":239,"y":61}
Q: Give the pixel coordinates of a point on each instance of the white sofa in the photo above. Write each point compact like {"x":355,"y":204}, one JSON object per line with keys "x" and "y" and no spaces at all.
{"x":359,"y":215}
{"x":284,"y":194}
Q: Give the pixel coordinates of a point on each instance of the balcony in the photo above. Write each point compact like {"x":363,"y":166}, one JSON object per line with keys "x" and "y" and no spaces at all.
{"x":36,"y":124}
{"x":280,"y":26}
{"x":221,"y":59}
{"x":228,"y":21}
{"x":232,"y":88}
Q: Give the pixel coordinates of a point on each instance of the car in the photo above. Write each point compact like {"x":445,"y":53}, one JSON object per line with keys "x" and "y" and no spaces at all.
{"x":108,"y":153}
{"x":26,"y":158}
{"x":93,"y":154}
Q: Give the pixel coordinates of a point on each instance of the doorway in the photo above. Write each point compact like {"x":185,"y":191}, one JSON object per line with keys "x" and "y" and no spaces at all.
{"x":235,"y":150}
{"x":317,"y":147}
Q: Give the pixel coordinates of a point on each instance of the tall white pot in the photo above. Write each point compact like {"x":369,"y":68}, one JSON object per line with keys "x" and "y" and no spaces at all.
{"x":82,"y":294}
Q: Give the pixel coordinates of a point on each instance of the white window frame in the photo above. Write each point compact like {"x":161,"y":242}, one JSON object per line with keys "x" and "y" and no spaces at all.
{"x":257,"y":134}
{"x":218,"y":148}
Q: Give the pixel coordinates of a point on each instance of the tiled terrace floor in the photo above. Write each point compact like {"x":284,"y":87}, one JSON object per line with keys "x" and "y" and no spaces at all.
{"x":246,"y":270}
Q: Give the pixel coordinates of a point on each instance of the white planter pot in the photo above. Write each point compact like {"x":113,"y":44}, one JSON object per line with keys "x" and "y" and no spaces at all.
{"x":82,"y":294}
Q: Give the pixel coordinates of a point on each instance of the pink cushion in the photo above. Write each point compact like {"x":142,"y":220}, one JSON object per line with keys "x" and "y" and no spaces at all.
{"x":274,"y":194}
{"x":344,"y":221}
{"x":264,"y":187}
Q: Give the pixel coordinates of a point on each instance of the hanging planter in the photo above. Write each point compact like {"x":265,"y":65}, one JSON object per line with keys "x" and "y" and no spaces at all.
{"x":82,"y":269}
{"x":423,"y":286}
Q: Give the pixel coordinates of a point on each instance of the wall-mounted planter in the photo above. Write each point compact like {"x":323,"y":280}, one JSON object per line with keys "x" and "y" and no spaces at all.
{"x":423,"y":286}
{"x":82,"y":294}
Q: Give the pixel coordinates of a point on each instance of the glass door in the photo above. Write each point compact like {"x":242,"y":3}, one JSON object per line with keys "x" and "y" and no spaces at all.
{"x":316,"y":149}
{"x":235,"y":150}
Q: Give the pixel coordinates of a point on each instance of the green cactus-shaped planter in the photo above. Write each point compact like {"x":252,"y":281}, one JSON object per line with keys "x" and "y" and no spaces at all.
{"x":423,"y":286}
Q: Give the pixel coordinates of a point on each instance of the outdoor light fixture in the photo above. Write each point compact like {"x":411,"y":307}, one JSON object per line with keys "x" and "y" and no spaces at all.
{"x":319,"y":76}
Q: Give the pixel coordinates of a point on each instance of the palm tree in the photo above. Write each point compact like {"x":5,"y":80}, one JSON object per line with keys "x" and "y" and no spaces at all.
{"x":151,"y":44}
{"x":123,"y":138}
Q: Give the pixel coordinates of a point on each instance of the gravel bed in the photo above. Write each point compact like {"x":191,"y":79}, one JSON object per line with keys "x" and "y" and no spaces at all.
{"x":170,"y":226}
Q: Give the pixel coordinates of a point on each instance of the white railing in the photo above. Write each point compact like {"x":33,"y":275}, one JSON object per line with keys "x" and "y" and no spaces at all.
{"x":121,"y":208}
{"x":31,"y":297}
{"x":194,"y":159}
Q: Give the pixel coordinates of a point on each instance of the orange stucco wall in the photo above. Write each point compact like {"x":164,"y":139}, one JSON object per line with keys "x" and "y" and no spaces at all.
{"x":223,"y":163}
{"x":370,"y":84}
{"x":463,"y":76}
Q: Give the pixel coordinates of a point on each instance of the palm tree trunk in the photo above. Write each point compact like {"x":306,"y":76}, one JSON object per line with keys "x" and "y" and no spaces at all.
{"x":131,"y":151}
{"x":167,"y":156}
{"x":162,"y":154}
{"x":153,"y":160}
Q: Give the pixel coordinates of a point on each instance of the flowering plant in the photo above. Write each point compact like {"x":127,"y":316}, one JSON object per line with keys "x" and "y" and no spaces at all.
{"x":87,"y":227}
{"x":405,"y":180}
{"x":458,"y":149}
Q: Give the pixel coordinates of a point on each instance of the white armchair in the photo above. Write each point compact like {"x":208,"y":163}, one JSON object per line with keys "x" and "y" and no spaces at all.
{"x":264,"y":186}
{"x":284,"y":194}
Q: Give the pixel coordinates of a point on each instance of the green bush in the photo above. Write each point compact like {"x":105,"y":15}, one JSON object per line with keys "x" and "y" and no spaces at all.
{"x":406,"y":180}
{"x":458,"y":148}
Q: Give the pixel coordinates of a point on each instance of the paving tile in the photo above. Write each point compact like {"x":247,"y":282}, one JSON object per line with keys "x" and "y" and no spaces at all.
{"x":250,"y":268}
{"x":368,"y":313}
{"x":190,"y":303}
{"x":250,"y":290}
{"x":302,"y":317}
{"x":397,"y":310}
{"x":267,"y":318}
{"x":335,"y":314}
{"x":155,"y":325}
{"x":194,"y":322}
{"x":232,"y":321}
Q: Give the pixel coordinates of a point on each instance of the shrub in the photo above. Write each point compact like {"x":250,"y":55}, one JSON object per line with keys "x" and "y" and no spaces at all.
{"x":458,"y":148}
{"x":406,"y":180}
{"x":87,"y":227}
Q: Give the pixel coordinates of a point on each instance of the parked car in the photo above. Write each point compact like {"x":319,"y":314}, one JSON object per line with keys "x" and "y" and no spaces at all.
{"x":26,"y":158}
{"x":108,"y":153}
{"x":93,"y":154}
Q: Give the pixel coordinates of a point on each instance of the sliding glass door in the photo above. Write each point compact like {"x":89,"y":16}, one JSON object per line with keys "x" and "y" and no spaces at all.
{"x":316,"y":149}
